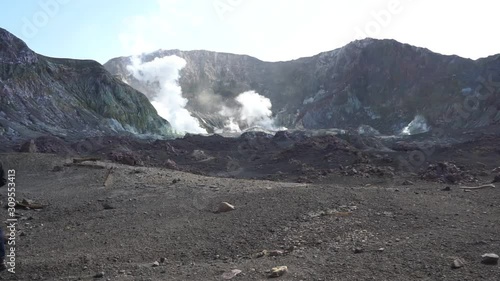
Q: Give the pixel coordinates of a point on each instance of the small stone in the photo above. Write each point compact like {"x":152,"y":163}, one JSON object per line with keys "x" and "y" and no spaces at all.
{"x":261,"y":254}
{"x":278,"y":271}
{"x":358,"y":250}
{"x":99,"y":275}
{"x":407,"y":183}
{"x":163,"y":260}
{"x":121,"y":271}
{"x":458,"y":263}
{"x":275,"y":253}
{"x":29,"y":147}
{"x":225,"y":207}
{"x":496,"y":179}
{"x":155,"y":264}
{"x":446,"y":188}
{"x":57,"y":169}
{"x":490,"y":258}
{"x":231,"y":274}
{"x":381,"y":249}
{"x":108,"y":206}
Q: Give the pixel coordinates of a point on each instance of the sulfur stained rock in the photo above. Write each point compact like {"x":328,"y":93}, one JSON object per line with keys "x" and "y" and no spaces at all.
{"x":278,"y":271}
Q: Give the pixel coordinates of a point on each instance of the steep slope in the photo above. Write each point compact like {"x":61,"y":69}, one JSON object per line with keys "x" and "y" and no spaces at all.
{"x":380,"y":83}
{"x":73,"y":98}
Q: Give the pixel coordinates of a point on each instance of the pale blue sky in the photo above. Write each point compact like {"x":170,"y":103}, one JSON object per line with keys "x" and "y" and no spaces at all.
{"x":267,"y":29}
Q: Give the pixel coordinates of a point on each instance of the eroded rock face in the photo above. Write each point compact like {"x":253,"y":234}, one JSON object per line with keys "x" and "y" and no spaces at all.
{"x":126,"y":157}
{"x":29,"y":147}
{"x":380,"y":84}
{"x":62,"y":97}
{"x":447,"y":173}
{"x":15,"y":51}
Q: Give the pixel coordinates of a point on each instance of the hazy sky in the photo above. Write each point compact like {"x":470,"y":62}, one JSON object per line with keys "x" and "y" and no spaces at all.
{"x":267,"y":29}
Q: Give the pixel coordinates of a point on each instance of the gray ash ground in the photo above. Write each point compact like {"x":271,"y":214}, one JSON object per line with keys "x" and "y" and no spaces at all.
{"x":336,"y":208}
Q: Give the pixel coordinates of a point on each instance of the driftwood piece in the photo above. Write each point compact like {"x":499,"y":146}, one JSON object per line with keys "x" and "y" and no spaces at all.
{"x":80,"y":160}
{"x":478,"y":187}
{"x":91,"y":166}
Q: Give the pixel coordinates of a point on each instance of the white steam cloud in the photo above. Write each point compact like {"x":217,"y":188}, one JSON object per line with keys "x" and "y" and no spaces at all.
{"x":168,"y":101}
{"x":254,"y":111}
{"x":417,"y":126}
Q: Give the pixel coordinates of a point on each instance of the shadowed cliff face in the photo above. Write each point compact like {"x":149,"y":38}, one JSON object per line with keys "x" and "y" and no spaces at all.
{"x":72,"y":98}
{"x":380,"y":83}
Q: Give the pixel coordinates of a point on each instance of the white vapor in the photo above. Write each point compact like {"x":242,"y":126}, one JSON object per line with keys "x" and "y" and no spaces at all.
{"x":417,"y":126}
{"x":254,"y":111}
{"x":168,"y":101}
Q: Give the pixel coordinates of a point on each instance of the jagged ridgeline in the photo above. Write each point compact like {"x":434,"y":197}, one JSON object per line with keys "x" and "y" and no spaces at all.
{"x":65,"y":97}
{"x":383,"y":84}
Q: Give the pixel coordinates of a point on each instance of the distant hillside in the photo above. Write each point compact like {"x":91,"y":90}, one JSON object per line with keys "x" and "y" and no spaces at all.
{"x":380,"y":83}
{"x":74,"y":98}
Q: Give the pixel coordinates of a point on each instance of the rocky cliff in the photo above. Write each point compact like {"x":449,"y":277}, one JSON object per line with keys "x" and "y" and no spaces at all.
{"x":63,"y":97}
{"x":380,"y":84}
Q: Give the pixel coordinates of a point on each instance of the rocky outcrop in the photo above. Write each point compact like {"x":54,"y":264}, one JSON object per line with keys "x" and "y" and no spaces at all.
{"x":70,"y":98}
{"x":378,"y":83}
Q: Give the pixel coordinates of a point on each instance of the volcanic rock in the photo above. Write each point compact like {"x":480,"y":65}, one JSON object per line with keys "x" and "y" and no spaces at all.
{"x":29,"y":147}
{"x":457,"y":263}
{"x":231,"y":274}
{"x":496,"y":179}
{"x":225,"y":207}
{"x":446,"y":172}
{"x":278,"y":271}
{"x":490,"y":258}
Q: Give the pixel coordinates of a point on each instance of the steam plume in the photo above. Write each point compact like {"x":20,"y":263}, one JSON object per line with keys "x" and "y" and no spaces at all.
{"x":168,"y":101}
{"x":254,"y":111}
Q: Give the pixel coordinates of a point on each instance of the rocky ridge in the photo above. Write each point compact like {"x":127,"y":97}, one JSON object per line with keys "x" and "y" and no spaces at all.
{"x":68,"y":98}
{"x":383,"y":84}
